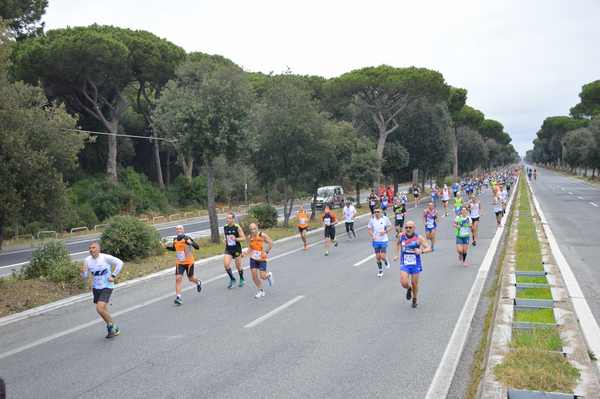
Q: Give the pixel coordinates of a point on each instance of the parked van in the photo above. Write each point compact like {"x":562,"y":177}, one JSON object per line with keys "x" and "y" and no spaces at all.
{"x":329,"y":195}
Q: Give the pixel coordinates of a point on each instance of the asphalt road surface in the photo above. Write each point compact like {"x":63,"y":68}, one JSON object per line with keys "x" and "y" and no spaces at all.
{"x":572,"y":208}
{"x":326,"y":329}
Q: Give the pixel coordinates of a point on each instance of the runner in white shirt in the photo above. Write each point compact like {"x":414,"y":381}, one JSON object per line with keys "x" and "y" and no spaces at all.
{"x":349,"y":214}
{"x":475,"y":214}
{"x":445,"y":198}
{"x":497,"y":205}
{"x":100,"y":266}
{"x":378,"y":230}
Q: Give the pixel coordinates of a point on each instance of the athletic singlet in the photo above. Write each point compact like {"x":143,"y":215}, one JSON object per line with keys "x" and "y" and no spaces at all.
{"x":463,"y":226}
{"x":445,"y":195}
{"x":408,"y":257}
{"x":384,"y":202}
{"x":430,"y":217}
{"x":349,"y":212}
{"x":399,"y":212}
{"x":379,"y":228}
{"x":458,"y":202}
{"x":231,"y":231}
{"x":257,"y":251}
{"x":474,"y":209}
{"x":302,"y":219}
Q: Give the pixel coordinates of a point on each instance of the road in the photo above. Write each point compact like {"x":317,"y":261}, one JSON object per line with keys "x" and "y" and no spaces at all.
{"x":572,"y":208}
{"x":327,"y":329}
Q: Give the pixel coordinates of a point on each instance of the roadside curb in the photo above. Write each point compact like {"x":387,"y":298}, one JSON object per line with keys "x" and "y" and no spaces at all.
{"x":444,"y":375}
{"x":13,"y":318}
{"x":587,"y":322}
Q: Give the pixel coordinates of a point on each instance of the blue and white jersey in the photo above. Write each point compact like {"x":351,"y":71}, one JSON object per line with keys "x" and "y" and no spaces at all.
{"x":408,"y":246}
{"x":379,"y":228}
{"x":101,"y":268}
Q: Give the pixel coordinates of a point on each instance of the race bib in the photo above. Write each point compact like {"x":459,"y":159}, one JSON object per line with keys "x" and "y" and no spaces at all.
{"x":180,"y":256}
{"x":410,"y":259}
{"x":302,"y":220}
{"x":327,"y":221}
{"x":231,"y":241}
{"x":372,"y":203}
{"x":399,"y":216}
{"x":256,"y":255}
{"x":100,"y":281}
{"x":429,"y":224}
{"x":464,"y":231}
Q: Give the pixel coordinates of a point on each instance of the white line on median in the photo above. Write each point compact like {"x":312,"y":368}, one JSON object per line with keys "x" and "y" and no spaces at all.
{"x":365,"y":260}
{"x":274,"y":312}
{"x":594,"y":204}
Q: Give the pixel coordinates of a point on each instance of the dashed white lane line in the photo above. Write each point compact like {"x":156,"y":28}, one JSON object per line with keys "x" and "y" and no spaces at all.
{"x":570,"y":193}
{"x":274,"y":312}
{"x":594,"y":204}
{"x":365,"y":260}
{"x":578,"y":197}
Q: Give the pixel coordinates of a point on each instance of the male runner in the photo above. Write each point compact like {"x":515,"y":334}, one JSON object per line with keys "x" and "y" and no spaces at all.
{"x":329,"y":221}
{"x":430,"y":220}
{"x":372,"y":201}
{"x":410,"y":247}
{"x":302,"y":218}
{"x":455,"y":188}
{"x":445,"y":199}
{"x":399,"y":215}
{"x":384,"y":204}
{"x":258,"y":259}
{"x":497,"y":206}
{"x":100,"y":266}
{"x":416,"y":192}
{"x":183,"y":247}
{"x":474,"y":213}
{"x":463,"y":224}
{"x":349,"y":214}
{"x":458,"y":203}
{"x":378,"y":231}
{"x":233,"y":237}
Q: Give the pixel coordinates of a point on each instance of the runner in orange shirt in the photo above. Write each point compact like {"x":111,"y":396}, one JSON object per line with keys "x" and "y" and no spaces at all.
{"x":302,"y":218}
{"x":183,"y":247}
{"x":258,"y":259}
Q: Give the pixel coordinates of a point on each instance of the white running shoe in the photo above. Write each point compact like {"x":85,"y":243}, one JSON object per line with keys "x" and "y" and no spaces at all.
{"x":259,"y":294}
{"x":270,"y":279}
{"x":380,"y":274}
{"x":387,"y":264}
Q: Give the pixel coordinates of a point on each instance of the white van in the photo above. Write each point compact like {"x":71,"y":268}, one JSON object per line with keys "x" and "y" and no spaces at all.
{"x":330,"y":195}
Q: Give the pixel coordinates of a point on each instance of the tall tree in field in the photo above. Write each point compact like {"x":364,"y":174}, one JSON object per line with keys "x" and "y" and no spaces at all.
{"x":88,"y":68}
{"x":382,"y":94}
{"x":23,"y":16}
{"x":205,"y":108}
{"x":589,"y":105}
{"x":395,"y":161}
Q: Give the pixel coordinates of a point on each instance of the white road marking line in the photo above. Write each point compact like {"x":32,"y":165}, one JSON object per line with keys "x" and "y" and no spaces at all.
{"x":562,"y":188}
{"x":578,"y":197}
{"x":570,"y":193}
{"x":274,"y":312}
{"x":594,"y":204}
{"x":365,"y":260}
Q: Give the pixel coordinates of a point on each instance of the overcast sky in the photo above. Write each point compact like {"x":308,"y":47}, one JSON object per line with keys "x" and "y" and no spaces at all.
{"x":520,"y":60}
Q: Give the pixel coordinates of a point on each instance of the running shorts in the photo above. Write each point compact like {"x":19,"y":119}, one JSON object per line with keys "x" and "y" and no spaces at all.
{"x":349,"y":226}
{"x":301,"y":229}
{"x":181,"y":269}
{"x":102,"y":294}
{"x":475,"y":219}
{"x":330,"y":232}
{"x":399,"y":223}
{"x":411,"y":269}
{"x":462,"y":240}
{"x":380,"y":246}
{"x":234,"y":252}
{"x":258,"y":264}
{"x":430,"y":229}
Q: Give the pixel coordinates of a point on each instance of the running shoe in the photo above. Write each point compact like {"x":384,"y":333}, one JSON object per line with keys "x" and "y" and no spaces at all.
{"x":113,"y":331}
{"x":259,"y":294}
{"x":387,"y":265}
{"x":242,"y":281}
{"x":326,"y":253}
{"x":380,"y":274}
{"x":199,"y":286}
{"x":305,"y":247}
{"x":270,"y":279}
{"x":414,"y":302}
{"x":474,"y":243}
{"x":409,"y":293}
{"x":231,"y":283}
{"x":178,"y":301}
{"x":335,"y":244}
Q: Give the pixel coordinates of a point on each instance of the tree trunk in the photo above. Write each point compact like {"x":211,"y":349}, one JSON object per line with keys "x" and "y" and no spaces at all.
{"x":287,"y":208}
{"x":212,"y":210}
{"x":168,"y":168}
{"x":188,"y":167}
{"x":380,"y":147}
{"x":455,"y":153}
{"x":313,"y":208}
{"x":1,"y":232}
{"x":357,"y":195}
{"x":111,"y":161}
{"x":157,"y":165}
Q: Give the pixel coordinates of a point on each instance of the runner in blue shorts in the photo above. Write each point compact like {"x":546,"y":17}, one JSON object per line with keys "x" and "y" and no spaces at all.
{"x":378,"y":231}
{"x":463,"y":225}
{"x":430,"y":220}
{"x":410,"y":248}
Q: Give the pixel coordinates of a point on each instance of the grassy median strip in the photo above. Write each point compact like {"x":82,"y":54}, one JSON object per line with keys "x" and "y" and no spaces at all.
{"x":531,"y":280}
{"x":535,"y":316}
{"x":18,"y":294}
{"x":543,"y":339}
{"x":534,"y":293}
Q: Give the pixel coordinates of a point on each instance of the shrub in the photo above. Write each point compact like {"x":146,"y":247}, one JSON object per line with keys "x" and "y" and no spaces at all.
{"x":52,"y":261}
{"x":184,"y":193}
{"x":128,"y":238}
{"x":265,"y":214}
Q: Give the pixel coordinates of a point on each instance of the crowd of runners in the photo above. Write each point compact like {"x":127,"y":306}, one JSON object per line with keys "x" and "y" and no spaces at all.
{"x":460,"y":203}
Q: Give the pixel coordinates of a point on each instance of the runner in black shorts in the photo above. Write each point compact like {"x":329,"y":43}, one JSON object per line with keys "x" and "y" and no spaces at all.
{"x":234,"y":235}
{"x":329,"y":221}
{"x":399,"y":215}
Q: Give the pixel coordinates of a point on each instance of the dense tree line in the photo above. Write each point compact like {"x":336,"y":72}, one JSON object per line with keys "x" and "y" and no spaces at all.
{"x":166,"y":129}
{"x":572,"y":141}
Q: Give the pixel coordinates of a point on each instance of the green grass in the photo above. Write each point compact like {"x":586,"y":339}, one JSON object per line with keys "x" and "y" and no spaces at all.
{"x":547,"y":339}
{"x":532,"y":369}
{"x":535,"y":316}
{"x":534,"y":293}
{"x":531,"y":280}
{"x":529,"y":255}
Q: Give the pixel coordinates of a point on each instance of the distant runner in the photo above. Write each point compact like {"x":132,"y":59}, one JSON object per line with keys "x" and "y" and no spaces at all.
{"x":372,"y":201}
{"x":410,"y":247}
{"x":183,"y":247}
{"x":430,"y":220}
{"x":463,"y":225}
{"x":100,"y":266}
{"x":445,"y":199}
{"x":234,"y":236}
{"x":329,"y":221}
{"x":416,"y":192}
{"x":302,"y":218}
{"x":399,"y":215}
{"x":349,"y":214}
{"x":258,"y":259}
{"x":474,"y":214}
{"x":458,"y":203}
{"x":497,"y":206}
{"x":378,"y":231}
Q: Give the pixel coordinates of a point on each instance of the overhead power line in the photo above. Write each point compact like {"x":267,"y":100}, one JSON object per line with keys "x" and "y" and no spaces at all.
{"x":133,"y":136}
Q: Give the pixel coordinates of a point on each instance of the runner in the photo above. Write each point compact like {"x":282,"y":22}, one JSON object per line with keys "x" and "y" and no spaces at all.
{"x":434,"y":195}
{"x":384,"y":204}
{"x":430,"y":220}
{"x":404,"y":198}
{"x":349,"y":214}
{"x":258,"y":259}
{"x":183,"y":246}
{"x":100,"y":266}
{"x":372,"y":201}
{"x":458,"y":203}
{"x":399,"y":215}
{"x":302,"y":218}
{"x":234,"y":235}
{"x":463,"y":224}
{"x":378,"y":231}
{"x":445,"y":199}
{"x":504,"y":198}
{"x":475,"y":214}
{"x":497,"y":206}
{"x":390,"y":194}
{"x":329,"y":221}
{"x":455,"y":188}
{"x":416,"y":192}
{"x":410,"y":247}
{"x":534,"y":174}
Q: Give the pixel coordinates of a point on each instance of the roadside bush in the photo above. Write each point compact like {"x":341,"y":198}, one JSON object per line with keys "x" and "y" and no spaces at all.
{"x":265,"y":214}
{"x":52,"y":261}
{"x":128,"y":238}
{"x":184,"y":193}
